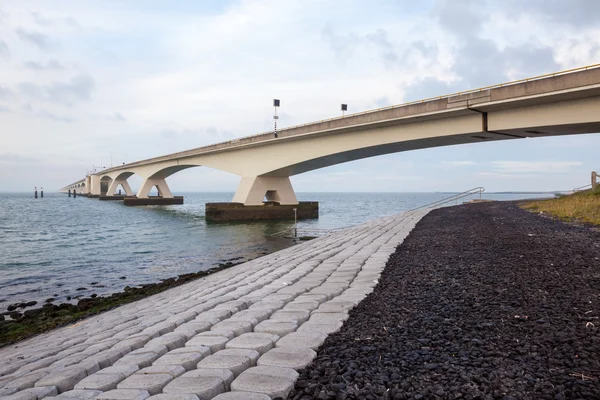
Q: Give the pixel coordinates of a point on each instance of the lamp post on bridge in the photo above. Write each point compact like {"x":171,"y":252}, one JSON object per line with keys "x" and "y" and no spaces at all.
{"x":276,"y":103}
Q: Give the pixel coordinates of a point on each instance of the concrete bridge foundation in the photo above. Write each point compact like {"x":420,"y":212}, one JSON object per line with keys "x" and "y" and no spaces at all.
{"x":225,"y":212}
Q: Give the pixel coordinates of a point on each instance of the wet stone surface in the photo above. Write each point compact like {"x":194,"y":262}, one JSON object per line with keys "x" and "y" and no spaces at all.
{"x":481,"y":301}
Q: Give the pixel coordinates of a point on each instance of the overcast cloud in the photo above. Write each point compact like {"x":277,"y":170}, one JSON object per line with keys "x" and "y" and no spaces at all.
{"x":81,"y":81}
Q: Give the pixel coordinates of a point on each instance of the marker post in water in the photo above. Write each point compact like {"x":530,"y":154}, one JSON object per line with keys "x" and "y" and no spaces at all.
{"x":35,"y":192}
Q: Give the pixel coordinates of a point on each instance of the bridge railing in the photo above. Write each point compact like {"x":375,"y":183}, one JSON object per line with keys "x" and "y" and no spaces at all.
{"x":453,"y":198}
{"x":293,"y":231}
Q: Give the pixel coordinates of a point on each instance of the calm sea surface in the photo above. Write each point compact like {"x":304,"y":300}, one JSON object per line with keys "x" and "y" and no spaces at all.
{"x":53,"y":246}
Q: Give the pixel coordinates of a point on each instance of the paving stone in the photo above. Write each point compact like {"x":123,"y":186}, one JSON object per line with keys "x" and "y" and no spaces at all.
{"x":279,"y":328}
{"x":242,"y":396}
{"x":267,"y":305}
{"x":171,"y":340}
{"x":237,"y":327}
{"x":160,"y":349}
{"x":67,"y":361}
{"x":103,"y":382}
{"x":203,"y":387}
{"x":26,"y":381}
{"x":272,"y":381}
{"x":236,"y":363}
{"x":300,"y":316}
{"x":252,"y":354}
{"x":173,"y":370}
{"x":33,"y":366}
{"x":196,"y":326}
{"x":152,"y":383}
{"x":77,"y":395}
{"x":319,"y":298}
{"x":317,"y":326}
{"x":90,"y":366}
{"x":260,"y":342}
{"x":258,"y":315}
{"x":107,"y":358}
{"x":141,"y":360}
{"x":328,"y":317}
{"x":288,"y":357}
{"x":124,"y":370}
{"x":218,"y":332}
{"x":124,"y":394}
{"x":7,"y":392}
{"x":186,"y":360}
{"x":302,"y":305}
{"x":64,"y":379}
{"x":172,"y":396}
{"x":33,"y":393}
{"x":218,"y":314}
{"x":214,"y":343}
{"x":133,"y":343}
{"x":311,"y":340}
{"x":222,"y":373}
{"x":203,"y":350}
{"x":336,"y":306}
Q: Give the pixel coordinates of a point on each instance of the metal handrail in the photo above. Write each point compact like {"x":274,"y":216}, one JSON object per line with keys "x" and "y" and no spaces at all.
{"x":577,"y":189}
{"x":455,"y":197}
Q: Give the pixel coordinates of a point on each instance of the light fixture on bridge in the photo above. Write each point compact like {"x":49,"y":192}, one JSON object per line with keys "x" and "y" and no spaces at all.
{"x":344,"y":109}
{"x":276,"y":103}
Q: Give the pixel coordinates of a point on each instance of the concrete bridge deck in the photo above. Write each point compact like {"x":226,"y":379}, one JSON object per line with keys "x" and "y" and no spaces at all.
{"x":563,"y":103}
{"x":237,"y":334}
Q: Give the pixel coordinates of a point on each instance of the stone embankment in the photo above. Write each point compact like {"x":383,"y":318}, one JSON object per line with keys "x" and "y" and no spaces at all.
{"x":242,"y":333}
{"x":481,"y":301}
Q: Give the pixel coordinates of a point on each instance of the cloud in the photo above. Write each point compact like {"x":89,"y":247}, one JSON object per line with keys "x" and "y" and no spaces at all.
{"x":388,"y":52}
{"x":37,"y":39}
{"x":5,"y":92}
{"x":43,"y":113}
{"x":49,"y":22}
{"x":478,"y":61}
{"x":116,"y":117}
{"x":4,"y":108}
{"x":4,"y":51}
{"x":51,"y":65}
{"x":341,"y":46}
{"x":77,"y":89}
{"x":460,"y":17}
{"x":521,"y":167}
{"x":458,"y":163}
{"x":576,"y":13}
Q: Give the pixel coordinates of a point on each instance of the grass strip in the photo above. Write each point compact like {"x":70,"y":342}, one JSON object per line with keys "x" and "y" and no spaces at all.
{"x":580,"y":207}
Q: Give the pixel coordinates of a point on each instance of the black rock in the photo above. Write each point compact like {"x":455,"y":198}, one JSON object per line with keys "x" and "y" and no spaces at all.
{"x":467,"y":309}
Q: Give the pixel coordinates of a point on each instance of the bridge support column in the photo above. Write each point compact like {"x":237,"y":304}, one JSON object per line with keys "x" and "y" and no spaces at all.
{"x":165,"y":197}
{"x":252,"y":191}
{"x":161,"y":186}
{"x":94,"y":188}
{"x":112,"y":189}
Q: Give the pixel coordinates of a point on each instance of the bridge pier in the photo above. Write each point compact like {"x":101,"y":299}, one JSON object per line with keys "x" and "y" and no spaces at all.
{"x":165,"y":197}
{"x":253,"y":190}
{"x":112,"y":189}
{"x":260,"y":198}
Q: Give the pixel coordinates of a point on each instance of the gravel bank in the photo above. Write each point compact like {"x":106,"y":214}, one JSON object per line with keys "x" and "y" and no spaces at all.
{"x":481,"y":301}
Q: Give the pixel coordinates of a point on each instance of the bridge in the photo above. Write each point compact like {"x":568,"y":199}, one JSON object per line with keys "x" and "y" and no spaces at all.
{"x":562,"y":103}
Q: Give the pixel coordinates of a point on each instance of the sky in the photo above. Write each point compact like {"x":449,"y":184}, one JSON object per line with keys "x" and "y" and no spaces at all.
{"x":87,"y":83}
